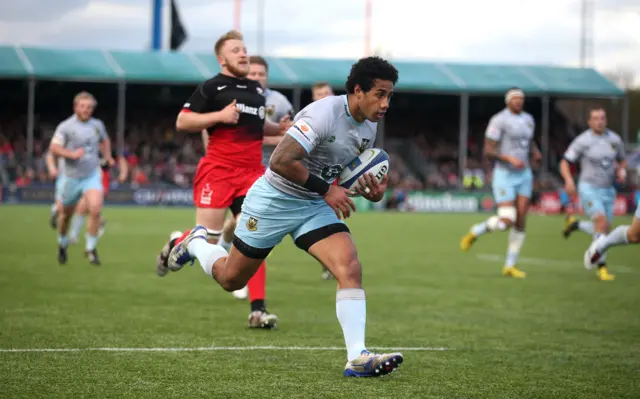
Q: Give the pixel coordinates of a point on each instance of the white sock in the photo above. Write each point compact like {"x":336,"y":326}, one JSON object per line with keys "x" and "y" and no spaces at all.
{"x":351,"y":308}
{"x":617,"y":237}
{"x":586,"y":226}
{"x":76,"y":226}
{"x":54,"y":208}
{"x":207,"y":254}
{"x":516,"y":240}
{"x":492,"y":224}
{"x":224,"y":244}
{"x":91,"y":242}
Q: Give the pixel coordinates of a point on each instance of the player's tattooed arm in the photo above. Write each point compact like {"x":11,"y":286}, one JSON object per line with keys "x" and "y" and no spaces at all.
{"x":536,"y":154}
{"x":491,"y":150}
{"x":285,"y":160}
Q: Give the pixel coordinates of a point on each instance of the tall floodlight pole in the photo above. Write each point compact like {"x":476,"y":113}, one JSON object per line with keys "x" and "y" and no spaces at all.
{"x":367,"y":27}
{"x":586,"y":34}
{"x":237,"y":9}
{"x":260,"y":25}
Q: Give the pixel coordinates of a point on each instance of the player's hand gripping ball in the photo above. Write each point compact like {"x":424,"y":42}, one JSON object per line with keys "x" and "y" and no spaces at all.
{"x":374,"y":160}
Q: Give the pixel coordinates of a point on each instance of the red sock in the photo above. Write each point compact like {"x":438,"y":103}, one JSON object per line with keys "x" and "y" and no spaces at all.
{"x":182,"y":237}
{"x":257,"y":284}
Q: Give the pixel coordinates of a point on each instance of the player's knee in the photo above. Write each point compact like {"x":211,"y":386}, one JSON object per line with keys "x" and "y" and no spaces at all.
{"x":508,"y":215}
{"x":349,"y":272}
{"x":229,"y":225}
{"x":600,"y":223}
{"x":232,"y":283}
{"x":633,"y":234}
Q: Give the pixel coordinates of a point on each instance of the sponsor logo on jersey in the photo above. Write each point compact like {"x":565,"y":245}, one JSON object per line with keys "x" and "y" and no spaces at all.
{"x":245,"y":109}
{"x":329,"y":173}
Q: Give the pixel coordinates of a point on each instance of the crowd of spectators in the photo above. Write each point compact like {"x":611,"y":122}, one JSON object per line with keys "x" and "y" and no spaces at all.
{"x":157,"y":154}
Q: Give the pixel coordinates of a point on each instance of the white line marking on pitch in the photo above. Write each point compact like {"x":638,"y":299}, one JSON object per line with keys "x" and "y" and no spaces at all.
{"x":215,"y":348}
{"x":549,"y":262}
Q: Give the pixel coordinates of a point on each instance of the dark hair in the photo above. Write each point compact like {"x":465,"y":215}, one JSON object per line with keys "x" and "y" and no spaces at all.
{"x":367,"y":70}
{"x":256,"y":59}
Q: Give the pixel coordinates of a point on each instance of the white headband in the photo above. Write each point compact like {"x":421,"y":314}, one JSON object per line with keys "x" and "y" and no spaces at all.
{"x":513,"y":93}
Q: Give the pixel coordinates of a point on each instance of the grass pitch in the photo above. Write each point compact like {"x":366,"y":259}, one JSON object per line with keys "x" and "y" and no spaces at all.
{"x":558,"y":334}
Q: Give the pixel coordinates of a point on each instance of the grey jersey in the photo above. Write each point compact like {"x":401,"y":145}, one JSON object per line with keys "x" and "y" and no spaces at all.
{"x":597,"y":155}
{"x":514,"y":133}
{"x":332,"y":139}
{"x":277,"y":106}
{"x":72,"y":134}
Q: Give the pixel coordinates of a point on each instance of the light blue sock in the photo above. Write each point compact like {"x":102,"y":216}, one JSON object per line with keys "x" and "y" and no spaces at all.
{"x":76,"y":226}
{"x":91,"y":242}
{"x":586,"y":226}
{"x":351,"y":308}
{"x":62,"y":240}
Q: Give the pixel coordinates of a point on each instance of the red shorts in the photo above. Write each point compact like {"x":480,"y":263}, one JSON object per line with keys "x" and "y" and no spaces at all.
{"x":216,"y":186}
{"x":106,"y":180}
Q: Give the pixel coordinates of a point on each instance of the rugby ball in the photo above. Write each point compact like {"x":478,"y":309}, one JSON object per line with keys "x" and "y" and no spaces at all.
{"x":374,"y":160}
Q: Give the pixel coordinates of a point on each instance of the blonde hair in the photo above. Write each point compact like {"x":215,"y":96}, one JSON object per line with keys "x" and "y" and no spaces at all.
{"x":231,"y":35}
{"x":84,"y":95}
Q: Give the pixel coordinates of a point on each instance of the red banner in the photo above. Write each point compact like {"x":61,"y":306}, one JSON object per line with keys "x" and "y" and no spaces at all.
{"x":549,"y":203}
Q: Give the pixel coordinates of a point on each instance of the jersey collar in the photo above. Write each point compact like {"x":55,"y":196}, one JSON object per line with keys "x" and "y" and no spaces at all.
{"x":346,"y":111}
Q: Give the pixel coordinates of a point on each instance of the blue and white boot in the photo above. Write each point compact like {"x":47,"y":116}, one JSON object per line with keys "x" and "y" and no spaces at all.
{"x":179,"y":255}
{"x":373,"y":364}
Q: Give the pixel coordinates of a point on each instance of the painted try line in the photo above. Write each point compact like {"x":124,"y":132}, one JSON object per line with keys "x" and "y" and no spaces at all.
{"x":550,"y":262}
{"x":218,"y":348}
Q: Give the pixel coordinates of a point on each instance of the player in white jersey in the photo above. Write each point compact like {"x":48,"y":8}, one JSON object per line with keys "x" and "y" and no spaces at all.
{"x":509,"y":143}
{"x":296,"y":197}
{"x":320,"y":90}
{"x":621,"y":235}
{"x":78,"y":140}
{"x":601,"y":155}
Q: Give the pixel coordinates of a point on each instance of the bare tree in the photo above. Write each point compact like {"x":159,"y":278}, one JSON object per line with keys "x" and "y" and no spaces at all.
{"x":625,"y":77}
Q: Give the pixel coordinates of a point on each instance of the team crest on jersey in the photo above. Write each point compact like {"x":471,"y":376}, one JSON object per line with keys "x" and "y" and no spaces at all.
{"x":271,"y":110}
{"x":252,"y":224}
{"x":205,"y":195}
{"x":331,"y":139}
{"x":363,"y":146}
{"x":614,"y":147}
{"x":96,"y":130}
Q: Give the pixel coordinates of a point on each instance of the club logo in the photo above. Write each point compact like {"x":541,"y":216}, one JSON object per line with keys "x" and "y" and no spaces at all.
{"x":252,"y":224}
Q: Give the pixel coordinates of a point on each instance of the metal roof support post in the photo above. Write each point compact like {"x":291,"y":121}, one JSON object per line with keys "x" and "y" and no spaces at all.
{"x":463,"y":134}
{"x":31,"y":105}
{"x":297,"y":98}
{"x":120,"y":119}
{"x":544,"y":138}
{"x":625,"y":119}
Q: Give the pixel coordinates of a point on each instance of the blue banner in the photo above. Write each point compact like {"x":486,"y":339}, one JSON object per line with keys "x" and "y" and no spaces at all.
{"x":117,"y":196}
